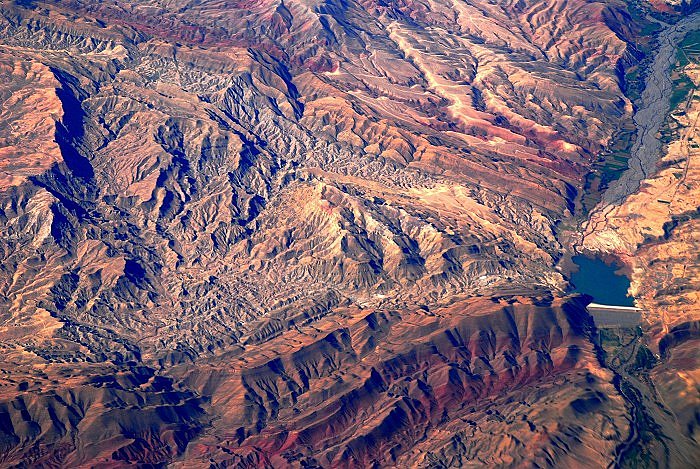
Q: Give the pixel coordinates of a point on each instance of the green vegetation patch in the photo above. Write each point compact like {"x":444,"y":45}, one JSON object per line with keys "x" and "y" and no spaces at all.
{"x":682,"y":87}
{"x":691,"y":43}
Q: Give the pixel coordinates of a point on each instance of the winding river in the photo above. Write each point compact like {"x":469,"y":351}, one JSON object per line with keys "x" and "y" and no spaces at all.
{"x":646,"y":151}
{"x":654,"y":107}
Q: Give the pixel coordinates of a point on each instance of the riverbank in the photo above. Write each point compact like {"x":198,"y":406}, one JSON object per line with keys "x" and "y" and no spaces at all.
{"x":655,"y":106}
{"x":651,"y":230}
{"x":650,"y":221}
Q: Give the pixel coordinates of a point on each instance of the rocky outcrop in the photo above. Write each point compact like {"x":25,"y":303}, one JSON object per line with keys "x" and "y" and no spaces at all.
{"x":287,"y":233}
{"x":418,"y":387}
{"x":654,"y":231}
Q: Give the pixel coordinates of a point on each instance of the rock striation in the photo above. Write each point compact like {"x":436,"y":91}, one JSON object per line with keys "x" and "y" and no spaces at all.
{"x":303,"y":233}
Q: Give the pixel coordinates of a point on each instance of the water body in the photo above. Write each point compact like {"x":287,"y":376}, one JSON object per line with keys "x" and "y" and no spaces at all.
{"x":600,"y":280}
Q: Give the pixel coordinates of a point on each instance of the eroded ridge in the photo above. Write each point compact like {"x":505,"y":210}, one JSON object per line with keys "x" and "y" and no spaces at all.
{"x":302,"y":233}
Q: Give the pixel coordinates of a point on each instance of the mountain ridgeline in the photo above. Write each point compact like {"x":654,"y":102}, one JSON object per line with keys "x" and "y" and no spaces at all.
{"x":304,"y":233}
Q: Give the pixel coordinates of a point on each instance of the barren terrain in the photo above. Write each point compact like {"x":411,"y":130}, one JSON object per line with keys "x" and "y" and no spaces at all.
{"x":312,"y":233}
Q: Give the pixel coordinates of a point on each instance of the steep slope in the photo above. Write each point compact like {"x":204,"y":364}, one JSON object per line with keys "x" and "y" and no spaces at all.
{"x":417,"y":387}
{"x":179,"y":166}
{"x":654,"y":231}
{"x":237,"y":231}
